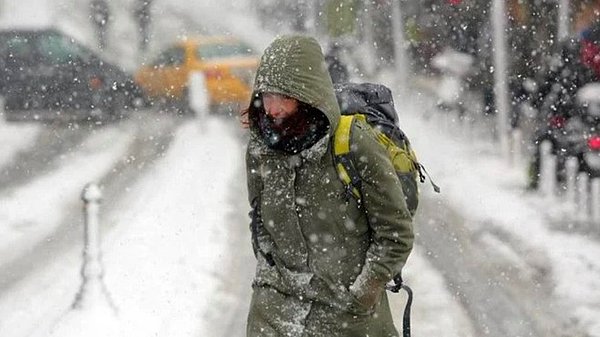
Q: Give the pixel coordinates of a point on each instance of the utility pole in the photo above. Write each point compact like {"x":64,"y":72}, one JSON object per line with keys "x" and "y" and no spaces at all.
{"x":400,"y":61}
{"x":564,"y":20}
{"x":501,"y":93}
{"x":311,"y":12}
{"x":369,"y":37}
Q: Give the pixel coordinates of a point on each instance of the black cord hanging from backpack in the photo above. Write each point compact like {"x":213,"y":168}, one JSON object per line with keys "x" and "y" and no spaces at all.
{"x":421,"y":169}
{"x":406,"y":316}
{"x":395,"y":288}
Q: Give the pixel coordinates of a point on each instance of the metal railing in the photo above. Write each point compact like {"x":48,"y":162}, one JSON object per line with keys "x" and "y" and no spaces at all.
{"x":580,"y":193}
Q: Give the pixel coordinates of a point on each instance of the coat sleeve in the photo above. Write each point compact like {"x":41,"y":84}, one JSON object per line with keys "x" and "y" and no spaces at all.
{"x":260,"y":237}
{"x":388,"y":216}
{"x":253,"y":177}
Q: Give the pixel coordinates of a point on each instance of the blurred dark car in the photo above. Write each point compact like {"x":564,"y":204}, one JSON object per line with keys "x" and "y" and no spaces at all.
{"x":45,"y":74}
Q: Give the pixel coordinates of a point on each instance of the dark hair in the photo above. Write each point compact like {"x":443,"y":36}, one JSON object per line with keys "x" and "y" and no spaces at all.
{"x":250,"y":112}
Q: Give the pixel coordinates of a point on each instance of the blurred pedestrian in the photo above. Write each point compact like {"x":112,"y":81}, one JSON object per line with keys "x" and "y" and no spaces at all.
{"x":337,"y":69}
{"x":142,"y":14}
{"x":590,"y":47}
{"x":100,"y":15}
{"x":323,"y":258}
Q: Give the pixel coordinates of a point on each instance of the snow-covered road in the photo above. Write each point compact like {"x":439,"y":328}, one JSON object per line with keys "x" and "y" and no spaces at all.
{"x":493,"y":238}
{"x":163,"y":231}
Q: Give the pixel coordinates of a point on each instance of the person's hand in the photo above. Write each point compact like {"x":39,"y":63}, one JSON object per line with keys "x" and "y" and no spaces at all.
{"x":366,"y":295}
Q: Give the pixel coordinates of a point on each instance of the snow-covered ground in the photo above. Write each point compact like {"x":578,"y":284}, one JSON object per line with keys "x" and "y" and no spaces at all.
{"x":23,"y":226}
{"x":171,"y":232}
{"x":163,"y":258}
{"x":489,"y":191}
{"x":15,"y":138}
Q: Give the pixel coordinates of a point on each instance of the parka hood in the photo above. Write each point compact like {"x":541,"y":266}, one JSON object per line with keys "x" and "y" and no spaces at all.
{"x":295,"y":66}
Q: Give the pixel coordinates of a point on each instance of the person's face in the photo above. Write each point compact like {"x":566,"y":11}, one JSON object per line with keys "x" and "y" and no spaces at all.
{"x":278,"y":106}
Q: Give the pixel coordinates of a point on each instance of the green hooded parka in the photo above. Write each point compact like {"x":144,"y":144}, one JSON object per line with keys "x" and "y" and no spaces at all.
{"x":329,"y":257}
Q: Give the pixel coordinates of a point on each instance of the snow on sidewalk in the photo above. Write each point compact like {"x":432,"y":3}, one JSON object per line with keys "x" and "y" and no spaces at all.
{"x":15,"y":138}
{"x":475,"y":180}
{"x":435,"y":311}
{"x":162,"y":260}
{"x":32,"y":211}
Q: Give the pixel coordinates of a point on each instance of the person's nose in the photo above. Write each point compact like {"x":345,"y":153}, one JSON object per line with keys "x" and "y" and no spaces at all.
{"x":274,"y":112}
{"x":273,"y":109}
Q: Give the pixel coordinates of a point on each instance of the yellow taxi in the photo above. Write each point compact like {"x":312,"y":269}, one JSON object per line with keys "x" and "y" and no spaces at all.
{"x":227,"y":63}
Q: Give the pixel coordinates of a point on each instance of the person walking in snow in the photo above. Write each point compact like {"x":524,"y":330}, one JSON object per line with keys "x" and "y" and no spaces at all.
{"x":142,"y":15}
{"x":100,"y":14}
{"x":336,"y":67}
{"x":322,"y":258}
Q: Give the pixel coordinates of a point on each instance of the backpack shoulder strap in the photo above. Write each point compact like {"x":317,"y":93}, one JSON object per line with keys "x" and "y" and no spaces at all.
{"x":343,"y":158}
{"x":342,"y":133}
{"x":341,"y":143}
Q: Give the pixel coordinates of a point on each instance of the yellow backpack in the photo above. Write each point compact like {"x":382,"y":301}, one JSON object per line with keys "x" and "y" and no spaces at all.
{"x":373,"y":104}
